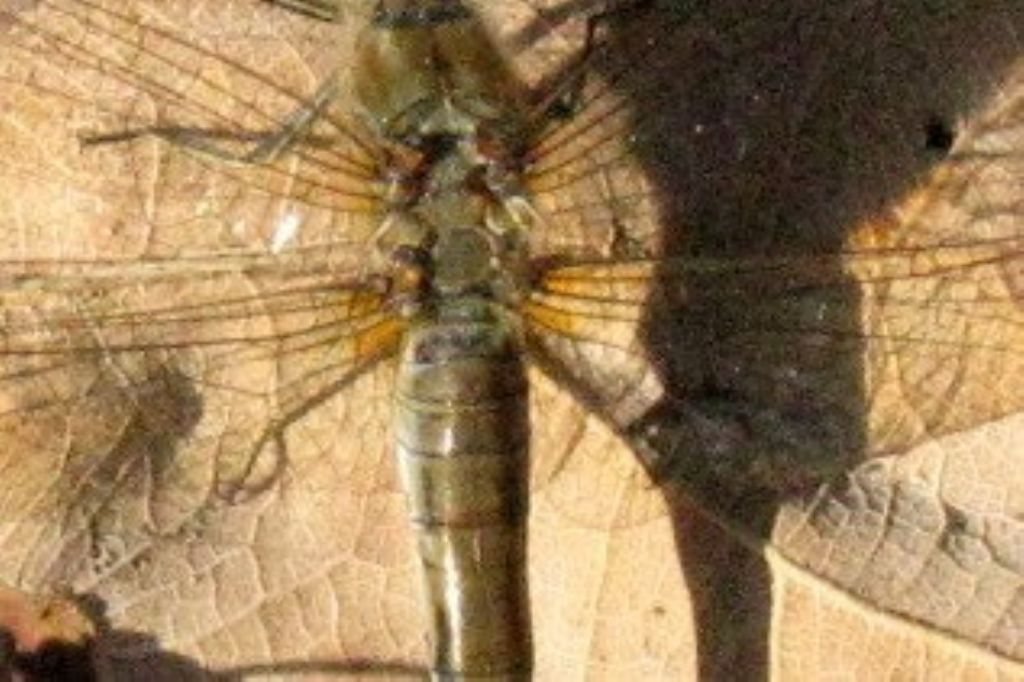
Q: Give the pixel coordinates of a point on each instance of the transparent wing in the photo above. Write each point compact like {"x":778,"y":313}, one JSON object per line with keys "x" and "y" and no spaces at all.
{"x":322,"y":10}
{"x":179,"y":331}
{"x":115,"y":69}
{"x":185,"y":379}
{"x":780,"y":372}
{"x":603,"y":188}
{"x":766,"y":349}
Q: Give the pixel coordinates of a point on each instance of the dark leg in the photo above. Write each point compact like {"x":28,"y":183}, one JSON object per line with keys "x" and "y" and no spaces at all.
{"x":268,"y":147}
{"x":322,"y":10}
{"x":563,"y":97}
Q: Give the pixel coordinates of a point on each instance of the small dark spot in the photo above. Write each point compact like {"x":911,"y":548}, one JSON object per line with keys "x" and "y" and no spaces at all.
{"x":659,"y":611}
{"x":562,"y":109}
{"x":939,"y":136}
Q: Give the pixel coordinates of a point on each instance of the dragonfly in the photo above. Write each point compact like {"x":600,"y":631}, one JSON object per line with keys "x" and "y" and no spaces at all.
{"x":731,"y":363}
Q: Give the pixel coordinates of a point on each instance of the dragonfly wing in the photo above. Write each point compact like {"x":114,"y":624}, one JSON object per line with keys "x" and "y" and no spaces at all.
{"x":112,"y":389}
{"x":824,"y":294}
{"x":781,"y":372}
{"x":732,"y":338}
{"x":105,"y":75}
{"x":189,"y":374}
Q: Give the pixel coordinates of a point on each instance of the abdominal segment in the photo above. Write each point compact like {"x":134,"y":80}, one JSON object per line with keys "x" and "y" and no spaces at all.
{"x":461,"y":423}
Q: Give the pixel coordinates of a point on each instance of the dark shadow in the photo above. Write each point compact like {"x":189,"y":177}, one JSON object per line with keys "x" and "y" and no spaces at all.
{"x":131,"y":656}
{"x":53,"y":661}
{"x":771,"y":130}
{"x":730,"y":590}
{"x":156,"y":407}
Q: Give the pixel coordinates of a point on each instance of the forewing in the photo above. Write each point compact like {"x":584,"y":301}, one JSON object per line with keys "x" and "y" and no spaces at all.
{"x":113,"y":70}
{"x":827,"y":305}
{"x":191,"y":395}
{"x":762,"y":355}
{"x":788,"y":371}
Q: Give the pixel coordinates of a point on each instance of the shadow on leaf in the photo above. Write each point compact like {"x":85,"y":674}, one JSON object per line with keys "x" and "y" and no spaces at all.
{"x":772,"y":133}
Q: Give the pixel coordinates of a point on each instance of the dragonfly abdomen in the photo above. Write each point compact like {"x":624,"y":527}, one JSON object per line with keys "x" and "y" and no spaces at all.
{"x":462,"y":432}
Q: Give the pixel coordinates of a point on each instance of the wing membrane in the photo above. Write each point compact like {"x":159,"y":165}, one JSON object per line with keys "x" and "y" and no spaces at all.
{"x":178,"y":333}
{"x":266,"y":348}
{"x":783,"y":370}
{"x":134,"y":74}
{"x":736,"y":319}
{"x":323,"y":10}
{"x":806,"y":346}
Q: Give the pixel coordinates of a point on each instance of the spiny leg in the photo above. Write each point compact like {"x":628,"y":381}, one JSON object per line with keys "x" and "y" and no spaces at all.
{"x":322,"y":10}
{"x":292,"y":131}
{"x":563,"y":97}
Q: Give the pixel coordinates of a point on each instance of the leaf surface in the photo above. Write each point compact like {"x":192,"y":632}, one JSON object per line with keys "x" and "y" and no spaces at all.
{"x":779,"y":140}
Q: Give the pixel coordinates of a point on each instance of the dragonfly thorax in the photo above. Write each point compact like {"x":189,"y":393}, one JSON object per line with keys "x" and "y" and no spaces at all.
{"x":449,"y":117}
{"x":455,"y":236}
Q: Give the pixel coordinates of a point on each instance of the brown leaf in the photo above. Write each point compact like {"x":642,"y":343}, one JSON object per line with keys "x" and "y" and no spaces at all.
{"x":781,"y":129}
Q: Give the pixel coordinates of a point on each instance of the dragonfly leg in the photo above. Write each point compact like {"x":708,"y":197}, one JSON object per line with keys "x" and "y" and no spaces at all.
{"x":322,"y":10}
{"x":563,"y":97}
{"x":269,"y":147}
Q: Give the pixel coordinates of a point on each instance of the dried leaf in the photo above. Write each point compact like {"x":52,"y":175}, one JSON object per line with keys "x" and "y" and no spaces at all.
{"x":786,"y":129}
